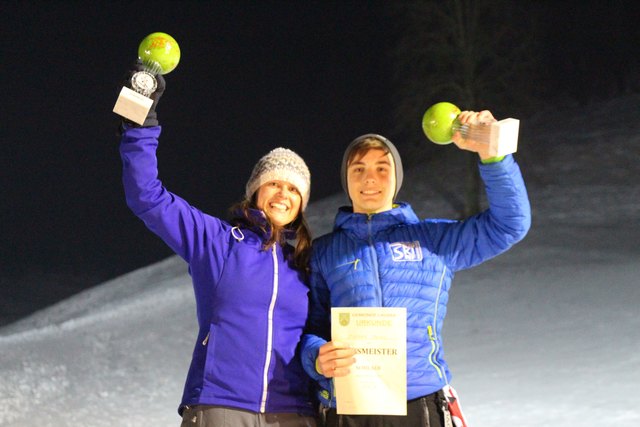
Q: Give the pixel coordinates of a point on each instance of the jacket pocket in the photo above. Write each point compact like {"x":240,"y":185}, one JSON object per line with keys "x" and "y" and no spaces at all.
{"x":209,"y":344}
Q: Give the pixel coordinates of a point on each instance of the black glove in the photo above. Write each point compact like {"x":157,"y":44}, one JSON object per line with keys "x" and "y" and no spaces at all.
{"x":152,"y":116}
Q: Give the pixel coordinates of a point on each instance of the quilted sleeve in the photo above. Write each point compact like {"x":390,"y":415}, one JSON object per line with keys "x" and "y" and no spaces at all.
{"x":464,"y":244}
{"x":185,"y":229}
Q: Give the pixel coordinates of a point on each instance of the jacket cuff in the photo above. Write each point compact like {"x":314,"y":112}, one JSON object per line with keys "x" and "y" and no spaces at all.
{"x":490,"y":160}
{"x":134,"y":134}
{"x":310,"y":347}
{"x":506,"y":162}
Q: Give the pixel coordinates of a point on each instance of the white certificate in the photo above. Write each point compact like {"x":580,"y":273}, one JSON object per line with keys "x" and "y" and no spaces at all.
{"x":377,"y":384}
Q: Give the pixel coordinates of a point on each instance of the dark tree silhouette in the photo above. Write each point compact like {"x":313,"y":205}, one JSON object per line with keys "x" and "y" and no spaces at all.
{"x":477,"y":54}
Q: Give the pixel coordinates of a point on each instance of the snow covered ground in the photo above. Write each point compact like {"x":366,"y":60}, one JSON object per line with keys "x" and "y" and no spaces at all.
{"x":546,"y":334}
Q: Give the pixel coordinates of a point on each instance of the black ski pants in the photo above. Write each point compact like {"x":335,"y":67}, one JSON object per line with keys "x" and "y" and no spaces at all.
{"x":426,"y":411}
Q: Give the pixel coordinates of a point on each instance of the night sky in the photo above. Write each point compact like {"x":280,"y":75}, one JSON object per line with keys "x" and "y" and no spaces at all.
{"x":253,"y":75}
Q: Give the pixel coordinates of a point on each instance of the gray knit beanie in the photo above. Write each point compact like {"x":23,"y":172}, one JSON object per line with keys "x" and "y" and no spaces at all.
{"x":281,"y":164}
{"x":397,"y":161}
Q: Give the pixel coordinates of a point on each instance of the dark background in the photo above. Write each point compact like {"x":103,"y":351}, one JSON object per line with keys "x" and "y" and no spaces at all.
{"x":310,"y":76}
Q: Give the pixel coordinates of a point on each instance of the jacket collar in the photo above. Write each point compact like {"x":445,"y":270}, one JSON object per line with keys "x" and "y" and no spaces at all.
{"x":363,"y":225}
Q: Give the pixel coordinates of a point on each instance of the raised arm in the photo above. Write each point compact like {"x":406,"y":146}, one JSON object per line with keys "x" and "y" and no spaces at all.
{"x":178,"y":224}
{"x":181,"y":226}
{"x":492,"y":232}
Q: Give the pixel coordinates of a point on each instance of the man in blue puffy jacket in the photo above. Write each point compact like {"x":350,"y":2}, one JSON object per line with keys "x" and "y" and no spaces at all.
{"x":359,"y":264}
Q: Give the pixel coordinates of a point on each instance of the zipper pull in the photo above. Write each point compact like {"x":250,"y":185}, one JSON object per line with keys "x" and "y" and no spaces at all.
{"x":206,"y":339}
{"x":430,"y":332}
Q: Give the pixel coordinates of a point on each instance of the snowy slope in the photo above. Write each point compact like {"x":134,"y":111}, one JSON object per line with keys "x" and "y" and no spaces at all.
{"x":548,"y":333}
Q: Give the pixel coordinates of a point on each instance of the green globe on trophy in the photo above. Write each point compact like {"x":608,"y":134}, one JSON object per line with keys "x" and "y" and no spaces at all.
{"x":440,"y":122}
{"x":159,"y":54}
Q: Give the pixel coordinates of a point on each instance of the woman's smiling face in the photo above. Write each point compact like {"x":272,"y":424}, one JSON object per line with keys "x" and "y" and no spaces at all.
{"x":280,"y":201}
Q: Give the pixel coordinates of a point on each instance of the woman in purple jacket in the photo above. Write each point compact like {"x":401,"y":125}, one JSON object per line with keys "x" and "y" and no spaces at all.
{"x":250,"y":285}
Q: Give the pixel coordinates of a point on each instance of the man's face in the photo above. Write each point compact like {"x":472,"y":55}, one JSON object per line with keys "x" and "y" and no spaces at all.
{"x":371,"y":180}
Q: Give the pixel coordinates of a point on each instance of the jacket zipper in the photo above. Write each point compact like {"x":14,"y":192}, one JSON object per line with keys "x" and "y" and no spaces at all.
{"x":431,"y":330}
{"x":374,"y":259}
{"x":267,"y":362}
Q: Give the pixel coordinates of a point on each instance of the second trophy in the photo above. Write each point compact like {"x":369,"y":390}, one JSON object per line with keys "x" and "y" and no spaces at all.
{"x":439,"y":123}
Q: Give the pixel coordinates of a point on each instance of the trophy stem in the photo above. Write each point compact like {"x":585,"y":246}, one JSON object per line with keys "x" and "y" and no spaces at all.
{"x":153,"y":67}
{"x":481,"y":133}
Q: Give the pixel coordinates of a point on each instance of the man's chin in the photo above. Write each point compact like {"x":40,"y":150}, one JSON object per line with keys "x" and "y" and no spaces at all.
{"x":369,"y":208}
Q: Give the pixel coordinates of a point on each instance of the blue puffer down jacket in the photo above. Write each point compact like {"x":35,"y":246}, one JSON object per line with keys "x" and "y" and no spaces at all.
{"x":393,"y":259}
{"x":251,"y":303}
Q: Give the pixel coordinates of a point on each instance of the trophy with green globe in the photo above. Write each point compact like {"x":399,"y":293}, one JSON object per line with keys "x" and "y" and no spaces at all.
{"x":160,"y":54}
{"x":439,"y":123}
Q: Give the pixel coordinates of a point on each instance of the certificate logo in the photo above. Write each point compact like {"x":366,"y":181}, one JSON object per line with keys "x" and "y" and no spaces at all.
{"x":344,"y":319}
{"x":406,"y":251}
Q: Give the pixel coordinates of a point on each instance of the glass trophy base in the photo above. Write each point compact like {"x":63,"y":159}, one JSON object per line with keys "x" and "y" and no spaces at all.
{"x":132,"y":105}
{"x":502,"y":136}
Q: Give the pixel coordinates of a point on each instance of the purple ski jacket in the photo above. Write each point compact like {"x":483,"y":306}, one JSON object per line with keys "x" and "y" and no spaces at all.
{"x":251,"y":303}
